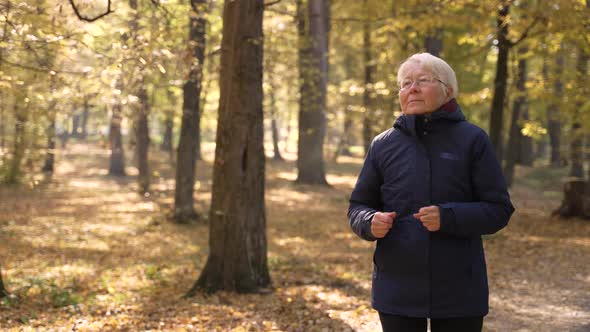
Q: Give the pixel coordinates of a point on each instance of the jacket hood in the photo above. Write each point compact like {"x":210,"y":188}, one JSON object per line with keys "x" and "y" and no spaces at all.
{"x":449,"y":112}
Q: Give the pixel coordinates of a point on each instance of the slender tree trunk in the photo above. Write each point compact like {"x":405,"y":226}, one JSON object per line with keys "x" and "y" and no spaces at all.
{"x":2,"y":126}
{"x":369,"y":67}
{"x":51,"y":137}
{"x":143,"y":141}
{"x":184,"y":210}
{"x":117,"y":159}
{"x":168,"y":133}
{"x":273,"y":106}
{"x":14,"y":167}
{"x":168,"y":124}
{"x":290,"y":118}
{"x":553,"y":117}
{"x":2,"y":117}
{"x":312,"y":118}
{"x":85,"y":115}
{"x":237,"y":260}
{"x":520,"y":103}
{"x":274,"y":126}
{"x":49,"y":164}
{"x":497,"y":113}
{"x":75,"y":124}
{"x":140,"y":126}
{"x":433,"y":43}
{"x":576,"y":134}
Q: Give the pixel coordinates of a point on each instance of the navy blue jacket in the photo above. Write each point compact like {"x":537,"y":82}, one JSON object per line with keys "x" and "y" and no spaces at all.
{"x":436,"y":159}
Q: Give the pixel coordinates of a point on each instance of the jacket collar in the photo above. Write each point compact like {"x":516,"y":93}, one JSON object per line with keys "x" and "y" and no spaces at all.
{"x":449,"y":112}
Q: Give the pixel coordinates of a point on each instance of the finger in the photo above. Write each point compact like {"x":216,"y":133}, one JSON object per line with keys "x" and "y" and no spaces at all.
{"x":384,"y":225}
{"x":384,"y":218}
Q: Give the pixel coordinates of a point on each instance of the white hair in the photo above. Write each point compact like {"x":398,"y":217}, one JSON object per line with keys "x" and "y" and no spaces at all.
{"x":435,"y":65}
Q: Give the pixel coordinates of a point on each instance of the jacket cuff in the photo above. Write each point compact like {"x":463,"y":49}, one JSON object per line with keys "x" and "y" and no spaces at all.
{"x":447,"y":219}
{"x":366,"y":228}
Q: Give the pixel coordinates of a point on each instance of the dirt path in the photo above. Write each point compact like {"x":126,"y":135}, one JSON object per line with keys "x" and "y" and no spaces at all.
{"x":86,"y":253}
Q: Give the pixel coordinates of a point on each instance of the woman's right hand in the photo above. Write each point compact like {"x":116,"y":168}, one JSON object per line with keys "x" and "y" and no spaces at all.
{"x":382,"y":223}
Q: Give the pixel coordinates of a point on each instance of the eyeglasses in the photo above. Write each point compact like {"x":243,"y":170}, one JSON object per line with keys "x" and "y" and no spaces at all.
{"x":407,"y":83}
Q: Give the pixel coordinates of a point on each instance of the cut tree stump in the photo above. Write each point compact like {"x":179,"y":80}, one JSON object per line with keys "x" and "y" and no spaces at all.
{"x":576,"y":200}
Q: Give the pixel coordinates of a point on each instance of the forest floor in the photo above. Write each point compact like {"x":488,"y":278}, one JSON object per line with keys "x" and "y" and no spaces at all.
{"x":83,"y":251}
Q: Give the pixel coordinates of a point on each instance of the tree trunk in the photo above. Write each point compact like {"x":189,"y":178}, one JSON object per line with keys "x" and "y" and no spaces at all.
{"x":237,"y":260}
{"x":49,"y":164}
{"x":576,"y":134}
{"x":14,"y":167}
{"x":496,"y":118}
{"x":2,"y":126}
{"x":553,"y":117}
{"x":433,"y":43}
{"x":168,"y":132}
{"x":273,"y":109}
{"x":142,"y":141}
{"x":516,"y":137}
{"x":3,"y":292}
{"x":184,"y":210}
{"x":274,"y":126}
{"x":313,"y":71}
{"x":117,"y":160}
{"x":75,"y":124}
{"x":168,"y":124}
{"x":2,"y":117}
{"x":85,"y":115}
{"x":576,"y":200}
{"x":369,"y":67}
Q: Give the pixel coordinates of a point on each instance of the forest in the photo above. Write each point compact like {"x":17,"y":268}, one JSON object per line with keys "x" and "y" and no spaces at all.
{"x":171,"y":165}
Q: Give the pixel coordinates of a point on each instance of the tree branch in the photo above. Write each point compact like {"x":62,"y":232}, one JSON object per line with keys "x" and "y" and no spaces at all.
{"x":526,"y":32}
{"x":268,"y":4}
{"x":91,"y":19}
{"x":42,"y":70}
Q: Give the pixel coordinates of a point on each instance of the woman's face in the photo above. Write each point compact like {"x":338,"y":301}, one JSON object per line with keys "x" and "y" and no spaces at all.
{"x":423,"y":92}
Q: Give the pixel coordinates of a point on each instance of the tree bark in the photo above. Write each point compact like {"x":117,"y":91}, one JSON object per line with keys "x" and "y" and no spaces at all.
{"x":553,"y":117}
{"x":168,"y":125}
{"x":433,"y":42}
{"x":576,"y":134}
{"x":168,"y":133}
{"x":576,"y":200}
{"x":273,"y":108}
{"x":117,"y":159}
{"x":187,"y":154}
{"x":237,"y":260}
{"x":314,"y":72}
{"x":497,"y":112}
{"x":520,"y":103}
{"x":369,"y":67}
{"x":274,"y":126}
{"x":48,"y":166}
{"x":2,"y":117}
{"x":14,"y":166}
{"x":85,"y":115}
{"x":142,"y":141}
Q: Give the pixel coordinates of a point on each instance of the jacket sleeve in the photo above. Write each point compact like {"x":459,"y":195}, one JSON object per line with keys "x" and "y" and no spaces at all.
{"x":491,"y":209}
{"x":365,"y":199}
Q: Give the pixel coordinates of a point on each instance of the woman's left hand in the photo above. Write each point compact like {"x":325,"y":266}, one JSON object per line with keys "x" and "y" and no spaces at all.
{"x":429,"y":216}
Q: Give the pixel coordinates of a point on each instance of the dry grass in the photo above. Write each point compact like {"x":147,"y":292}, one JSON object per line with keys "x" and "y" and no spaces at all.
{"x":84,"y":252}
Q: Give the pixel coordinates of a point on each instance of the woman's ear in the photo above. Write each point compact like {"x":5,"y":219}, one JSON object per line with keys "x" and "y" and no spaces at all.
{"x":449,"y":92}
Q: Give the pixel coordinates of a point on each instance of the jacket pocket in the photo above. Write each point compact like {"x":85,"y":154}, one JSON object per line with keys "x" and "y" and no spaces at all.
{"x":404,"y":250}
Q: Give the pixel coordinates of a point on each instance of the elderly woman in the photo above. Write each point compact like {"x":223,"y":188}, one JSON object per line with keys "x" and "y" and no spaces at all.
{"x":430,"y":187}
